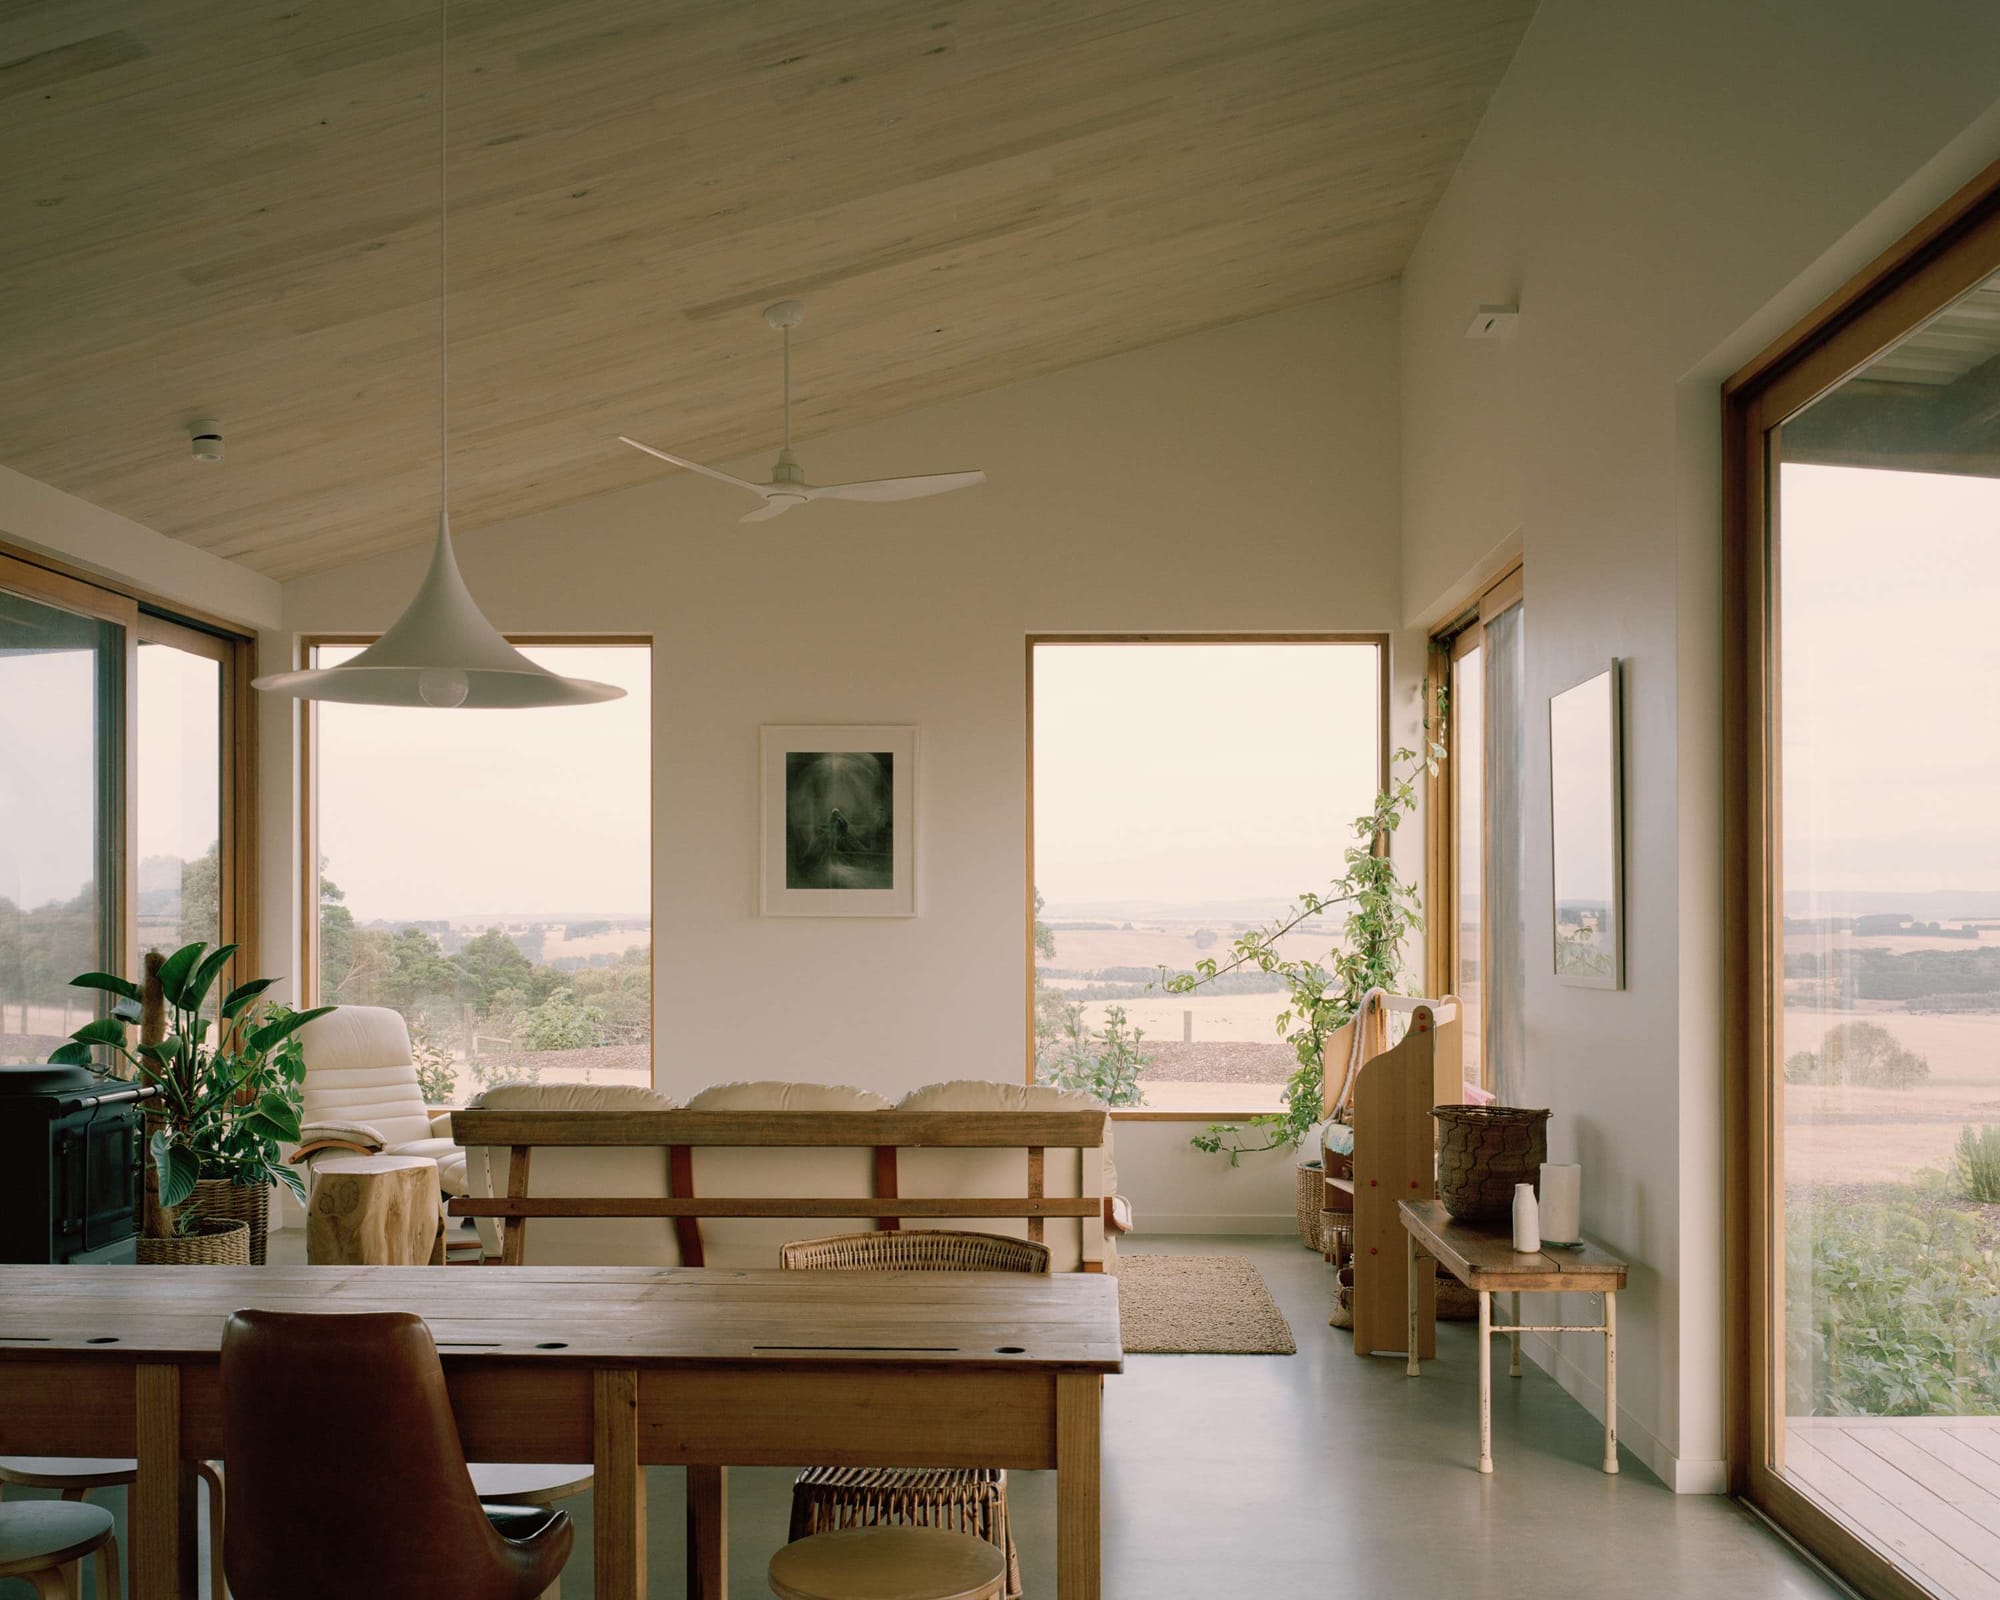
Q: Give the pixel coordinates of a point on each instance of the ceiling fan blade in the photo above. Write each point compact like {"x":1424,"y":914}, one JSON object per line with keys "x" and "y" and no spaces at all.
{"x":776,"y":506}
{"x":898,"y":488}
{"x":693,"y":466}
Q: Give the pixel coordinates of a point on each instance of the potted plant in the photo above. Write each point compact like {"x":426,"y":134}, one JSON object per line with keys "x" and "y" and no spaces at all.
{"x":1384,"y":909}
{"x":229,"y":1100}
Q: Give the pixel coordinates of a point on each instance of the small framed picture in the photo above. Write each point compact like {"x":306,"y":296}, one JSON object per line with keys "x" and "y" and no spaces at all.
{"x":839,"y":821}
{"x":1587,"y":822}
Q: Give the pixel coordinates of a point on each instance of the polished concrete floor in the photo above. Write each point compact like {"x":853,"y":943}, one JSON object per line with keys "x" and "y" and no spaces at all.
{"x":1322,"y":1476}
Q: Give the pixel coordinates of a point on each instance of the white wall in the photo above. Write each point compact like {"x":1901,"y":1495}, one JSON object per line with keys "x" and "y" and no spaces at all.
{"x":1663,"y":189}
{"x":35,"y":516}
{"x":1242,"y":478}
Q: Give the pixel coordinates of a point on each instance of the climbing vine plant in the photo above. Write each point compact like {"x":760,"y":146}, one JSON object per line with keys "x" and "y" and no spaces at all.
{"x":1384,"y":909}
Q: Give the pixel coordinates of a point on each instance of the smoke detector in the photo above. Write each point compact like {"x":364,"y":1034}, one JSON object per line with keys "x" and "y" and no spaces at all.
{"x":206,"y":437}
{"x":1493,"y":322}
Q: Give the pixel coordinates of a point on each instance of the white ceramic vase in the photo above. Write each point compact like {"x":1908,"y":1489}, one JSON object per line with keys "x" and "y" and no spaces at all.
{"x":1527,"y":1219}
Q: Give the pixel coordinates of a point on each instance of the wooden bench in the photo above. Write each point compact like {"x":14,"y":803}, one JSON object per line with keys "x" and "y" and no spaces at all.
{"x":1483,"y":1258}
{"x":886,"y":1133}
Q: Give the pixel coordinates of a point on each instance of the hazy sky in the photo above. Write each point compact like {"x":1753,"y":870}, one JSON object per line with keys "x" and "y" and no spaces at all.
{"x":180,"y":753}
{"x":459,"y":814}
{"x":1190,"y":772}
{"x":1891,"y":650}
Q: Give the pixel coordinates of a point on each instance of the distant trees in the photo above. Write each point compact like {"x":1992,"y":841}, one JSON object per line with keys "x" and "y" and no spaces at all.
{"x":1862,"y":1053}
{"x":512,"y":996}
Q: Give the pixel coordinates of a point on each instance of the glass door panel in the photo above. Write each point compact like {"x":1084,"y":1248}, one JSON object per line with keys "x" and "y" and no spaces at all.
{"x":180,"y":795}
{"x":1884,"y":1352}
{"x":1467,"y":724}
{"x":61,"y":811}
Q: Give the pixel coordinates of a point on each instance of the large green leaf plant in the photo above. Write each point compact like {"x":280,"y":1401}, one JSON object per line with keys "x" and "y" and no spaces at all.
{"x":231,"y":1086}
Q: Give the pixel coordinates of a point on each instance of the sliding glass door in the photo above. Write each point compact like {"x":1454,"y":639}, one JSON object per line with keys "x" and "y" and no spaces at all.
{"x":1871,"y":484}
{"x":63,"y":652}
{"x":122,"y":735}
{"x":1480,"y":925}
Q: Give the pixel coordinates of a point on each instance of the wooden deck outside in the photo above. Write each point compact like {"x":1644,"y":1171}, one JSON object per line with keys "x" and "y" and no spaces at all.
{"x":1926,"y":1489}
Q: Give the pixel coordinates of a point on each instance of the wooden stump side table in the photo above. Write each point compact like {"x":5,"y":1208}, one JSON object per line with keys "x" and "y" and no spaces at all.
{"x":375,"y":1211}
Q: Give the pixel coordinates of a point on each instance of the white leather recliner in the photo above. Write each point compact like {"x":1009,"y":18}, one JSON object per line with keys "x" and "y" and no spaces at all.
{"x":361,"y":1095}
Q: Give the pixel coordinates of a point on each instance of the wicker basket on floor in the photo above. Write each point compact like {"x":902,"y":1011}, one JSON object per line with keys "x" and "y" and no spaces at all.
{"x":1310,"y":1190}
{"x":207,"y":1244}
{"x":217,"y":1200}
{"x":916,"y":1250}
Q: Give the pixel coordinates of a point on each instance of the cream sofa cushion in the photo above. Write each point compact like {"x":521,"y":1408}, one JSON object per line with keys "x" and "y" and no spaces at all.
{"x":966,"y":1173}
{"x":810,"y":1172}
{"x":625,"y":1172}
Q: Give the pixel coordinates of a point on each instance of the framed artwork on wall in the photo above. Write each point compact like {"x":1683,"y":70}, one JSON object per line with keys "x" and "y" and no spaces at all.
{"x":1587,"y":848}
{"x":839,"y":821}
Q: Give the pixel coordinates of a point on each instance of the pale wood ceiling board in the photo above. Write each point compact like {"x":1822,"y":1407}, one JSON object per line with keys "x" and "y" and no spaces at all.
{"x":971,"y":195}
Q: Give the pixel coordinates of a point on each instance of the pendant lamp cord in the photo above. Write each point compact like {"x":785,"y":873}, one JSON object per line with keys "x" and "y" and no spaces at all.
{"x":444,"y":338}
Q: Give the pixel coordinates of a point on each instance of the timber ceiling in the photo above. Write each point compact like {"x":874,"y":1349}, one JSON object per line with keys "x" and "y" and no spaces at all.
{"x":229,"y":209}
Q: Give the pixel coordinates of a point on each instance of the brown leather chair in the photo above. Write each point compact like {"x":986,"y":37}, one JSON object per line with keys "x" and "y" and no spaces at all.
{"x":346,"y":1475}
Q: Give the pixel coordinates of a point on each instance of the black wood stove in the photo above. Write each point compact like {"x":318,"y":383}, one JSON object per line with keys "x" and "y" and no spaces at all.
{"x":72,"y":1165}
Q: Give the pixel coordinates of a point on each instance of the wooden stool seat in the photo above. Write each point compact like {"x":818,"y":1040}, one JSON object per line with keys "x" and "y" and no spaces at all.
{"x":76,"y":1476}
{"x":69,"y":1472}
{"x":889,"y":1563}
{"x":38,"y":1538}
{"x":517,"y":1484}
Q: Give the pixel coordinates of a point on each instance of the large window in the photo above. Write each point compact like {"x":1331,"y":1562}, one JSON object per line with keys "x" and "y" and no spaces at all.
{"x":1185,"y":792}
{"x":117,"y":834}
{"x":489,"y":875}
{"x":1867,"y":476}
{"x":1478,"y":922}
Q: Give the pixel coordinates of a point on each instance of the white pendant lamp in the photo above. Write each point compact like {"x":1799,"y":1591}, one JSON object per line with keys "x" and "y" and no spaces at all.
{"x":441,"y":651}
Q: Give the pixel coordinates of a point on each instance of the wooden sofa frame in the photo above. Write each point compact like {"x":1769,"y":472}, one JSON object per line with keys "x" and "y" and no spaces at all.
{"x":885,"y":1132}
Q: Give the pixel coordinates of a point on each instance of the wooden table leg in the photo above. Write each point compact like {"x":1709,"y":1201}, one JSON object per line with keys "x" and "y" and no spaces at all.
{"x":1514,"y":1337}
{"x":1610,"y":1381}
{"x":618,"y":1486}
{"x":708,"y":1533}
{"x":1485,"y":1380}
{"x":1079,"y":1487}
{"x":163,"y":1533}
{"x":1411,"y":1366}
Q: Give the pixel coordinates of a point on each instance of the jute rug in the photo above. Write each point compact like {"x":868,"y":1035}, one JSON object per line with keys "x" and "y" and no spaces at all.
{"x":1198,"y":1306}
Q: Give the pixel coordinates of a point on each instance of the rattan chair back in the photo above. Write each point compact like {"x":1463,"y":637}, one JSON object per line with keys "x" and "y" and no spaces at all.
{"x":916,"y":1250}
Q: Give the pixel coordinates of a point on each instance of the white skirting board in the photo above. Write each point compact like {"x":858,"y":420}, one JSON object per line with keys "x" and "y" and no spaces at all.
{"x":1585,"y":1385}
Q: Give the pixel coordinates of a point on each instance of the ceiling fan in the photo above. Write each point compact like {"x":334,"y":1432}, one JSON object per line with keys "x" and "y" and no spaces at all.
{"x":788,"y":486}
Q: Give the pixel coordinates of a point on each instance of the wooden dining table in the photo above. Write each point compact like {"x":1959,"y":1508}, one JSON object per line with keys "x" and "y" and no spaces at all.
{"x":623,"y":1367}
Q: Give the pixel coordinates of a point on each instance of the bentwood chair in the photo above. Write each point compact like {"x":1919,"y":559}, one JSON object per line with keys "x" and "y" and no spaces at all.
{"x":971,"y":1500}
{"x":45,"y":1541}
{"x":75,"y":1476}
{"x":346,"y":1475}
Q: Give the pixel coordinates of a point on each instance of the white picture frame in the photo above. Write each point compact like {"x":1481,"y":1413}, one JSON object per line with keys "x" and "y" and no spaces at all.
{"x":838,"y":814}
{"x":1587,"y":835}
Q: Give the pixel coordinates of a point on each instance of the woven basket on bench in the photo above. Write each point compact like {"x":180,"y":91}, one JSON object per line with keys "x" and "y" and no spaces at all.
{"x":1483,"y":1151}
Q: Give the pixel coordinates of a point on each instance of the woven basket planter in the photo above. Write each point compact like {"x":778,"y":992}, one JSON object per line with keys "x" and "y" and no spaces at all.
{"x":1483,"y":1151}
{"x":209,"y":1244}
{"x":1310,"y":1188}
{"x":217,"y":1200}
